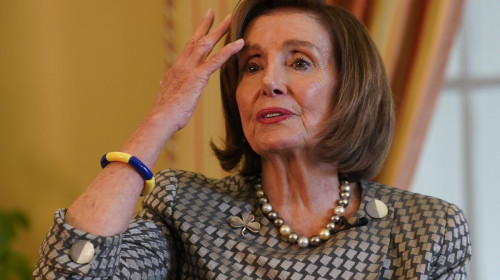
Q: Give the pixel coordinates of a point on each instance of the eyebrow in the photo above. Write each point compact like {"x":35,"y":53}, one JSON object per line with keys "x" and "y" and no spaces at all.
{"x":288,"y":44}
{"x":249,"y":47}
{"x":298,"y":43}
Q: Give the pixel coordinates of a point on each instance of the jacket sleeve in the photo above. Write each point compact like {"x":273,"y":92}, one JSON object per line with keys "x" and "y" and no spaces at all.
{"x":146,"y":250}
{"x":141,"y":252}
{"x":456,"y":250}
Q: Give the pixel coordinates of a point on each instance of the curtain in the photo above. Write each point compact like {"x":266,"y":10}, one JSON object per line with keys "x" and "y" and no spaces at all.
{"x":414,"y":38}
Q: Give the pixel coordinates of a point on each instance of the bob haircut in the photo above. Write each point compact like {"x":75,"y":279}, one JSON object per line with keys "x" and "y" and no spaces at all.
{"x":359,"y":130}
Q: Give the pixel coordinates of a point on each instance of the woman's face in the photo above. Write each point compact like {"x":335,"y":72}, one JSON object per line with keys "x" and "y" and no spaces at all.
{"x":287,"y":82}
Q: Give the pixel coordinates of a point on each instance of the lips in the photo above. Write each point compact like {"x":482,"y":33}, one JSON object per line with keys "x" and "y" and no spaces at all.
{"x":273,"y":115}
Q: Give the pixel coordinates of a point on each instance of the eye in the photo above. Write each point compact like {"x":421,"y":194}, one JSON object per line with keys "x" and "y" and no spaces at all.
{"x":301,"y":64}
{"x":251,"y":67}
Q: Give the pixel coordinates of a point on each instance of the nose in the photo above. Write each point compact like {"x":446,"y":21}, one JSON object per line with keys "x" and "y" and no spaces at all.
{"x":273,"y":82}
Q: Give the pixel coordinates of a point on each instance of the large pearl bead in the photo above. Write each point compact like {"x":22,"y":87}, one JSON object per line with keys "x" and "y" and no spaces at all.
{"x":272,"y":215}
{"x":293,"y":237}
{"x":266,"y":208}
{"x":345,"y":194}
{"x":315,"y":240}
{"x":259,"y":193}
{"x":303,"y":242}
{"x":278,"y":222}
{"x":330,"y":226}
{"x":343,"y":202}
{"x":335,"y":218}
{"x":324,"y":234}
{"x":263,"y":200}
{"x":285,"y":230}
{"x":339,"y":210}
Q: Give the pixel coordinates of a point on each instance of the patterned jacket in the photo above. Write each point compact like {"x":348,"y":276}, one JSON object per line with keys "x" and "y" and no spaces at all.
{"x":182,"y":233}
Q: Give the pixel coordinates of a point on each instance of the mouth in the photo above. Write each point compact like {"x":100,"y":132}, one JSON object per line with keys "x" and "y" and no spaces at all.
{"x":273,"y":115}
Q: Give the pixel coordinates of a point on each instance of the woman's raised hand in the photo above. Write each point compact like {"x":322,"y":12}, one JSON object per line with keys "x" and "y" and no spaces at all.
{"x":183,"y":84}
{"x":107,"y":205}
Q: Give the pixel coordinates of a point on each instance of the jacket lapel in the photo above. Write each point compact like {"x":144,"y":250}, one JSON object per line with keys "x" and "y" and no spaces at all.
{"x":363,"y":250}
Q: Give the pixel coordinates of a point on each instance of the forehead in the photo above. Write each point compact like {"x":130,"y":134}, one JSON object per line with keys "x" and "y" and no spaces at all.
{"x":287,"y":24}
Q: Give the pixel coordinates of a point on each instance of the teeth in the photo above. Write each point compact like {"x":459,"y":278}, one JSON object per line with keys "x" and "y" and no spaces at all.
{"x":272,"y":115}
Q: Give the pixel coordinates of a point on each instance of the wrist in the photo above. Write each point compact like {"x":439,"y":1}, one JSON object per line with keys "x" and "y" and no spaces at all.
{"x":149,"y":138}
{"x":138,"y":165}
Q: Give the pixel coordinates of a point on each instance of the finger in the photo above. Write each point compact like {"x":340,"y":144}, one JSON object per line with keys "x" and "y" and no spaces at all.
{"x":217,"y":33}
{"x":205,"y":45}
{"x":204,"y":26}
{"x":215,"y":61}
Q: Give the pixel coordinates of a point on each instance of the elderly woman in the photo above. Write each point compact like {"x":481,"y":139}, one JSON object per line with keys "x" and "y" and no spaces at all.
{"x":309,"y":118}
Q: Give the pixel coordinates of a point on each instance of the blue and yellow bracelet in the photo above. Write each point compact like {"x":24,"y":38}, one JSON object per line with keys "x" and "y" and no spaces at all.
{"x":139,"y":166}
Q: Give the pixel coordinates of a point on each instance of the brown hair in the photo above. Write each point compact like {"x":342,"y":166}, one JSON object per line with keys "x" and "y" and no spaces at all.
{"x":359,"y":130}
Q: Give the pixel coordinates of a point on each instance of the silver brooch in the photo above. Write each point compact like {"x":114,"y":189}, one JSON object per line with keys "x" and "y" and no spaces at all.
{"x":245,"y":222}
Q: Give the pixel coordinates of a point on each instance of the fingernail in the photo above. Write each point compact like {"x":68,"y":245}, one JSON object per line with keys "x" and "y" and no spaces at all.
{"x":208,"y":11}
{"x":239,"y":41}
{"x":227,"y":17}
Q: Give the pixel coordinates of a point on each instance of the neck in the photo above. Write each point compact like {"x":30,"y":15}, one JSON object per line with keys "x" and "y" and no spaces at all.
{"x":301,"y":192}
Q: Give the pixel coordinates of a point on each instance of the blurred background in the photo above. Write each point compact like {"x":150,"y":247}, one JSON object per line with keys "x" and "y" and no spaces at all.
{"x":77,"y":77}
{"x":459,"y":160}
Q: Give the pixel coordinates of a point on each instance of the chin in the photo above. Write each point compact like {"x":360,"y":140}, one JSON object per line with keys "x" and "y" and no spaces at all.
{"x":280,"y":145}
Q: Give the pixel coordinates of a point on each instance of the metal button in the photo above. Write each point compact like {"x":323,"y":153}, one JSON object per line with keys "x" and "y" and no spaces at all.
{"x":376,"y":209}
{"x":82,"y":251}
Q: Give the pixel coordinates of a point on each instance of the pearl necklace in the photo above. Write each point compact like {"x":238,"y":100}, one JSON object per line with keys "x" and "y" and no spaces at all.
{"x":303,"y":241}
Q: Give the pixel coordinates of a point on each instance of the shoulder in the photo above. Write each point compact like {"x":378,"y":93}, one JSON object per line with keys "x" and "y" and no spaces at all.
{"x":431,"y":230}
{"x":417,"y":210}
{"x":406,"y":202}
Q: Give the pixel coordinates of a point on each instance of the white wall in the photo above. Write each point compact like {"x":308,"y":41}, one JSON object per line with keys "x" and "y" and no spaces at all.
{"x":461,"y":156}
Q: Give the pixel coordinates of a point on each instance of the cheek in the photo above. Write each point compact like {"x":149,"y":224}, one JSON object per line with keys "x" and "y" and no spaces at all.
{"x":315,"y":93}
{"x":317,"y":99}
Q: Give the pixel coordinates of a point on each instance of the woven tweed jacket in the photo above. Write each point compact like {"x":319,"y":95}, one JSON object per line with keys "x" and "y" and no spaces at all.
{"x":182,"y":233}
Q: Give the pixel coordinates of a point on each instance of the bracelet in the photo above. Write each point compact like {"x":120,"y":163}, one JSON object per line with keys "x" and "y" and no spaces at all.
{"x":139,"y":166}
